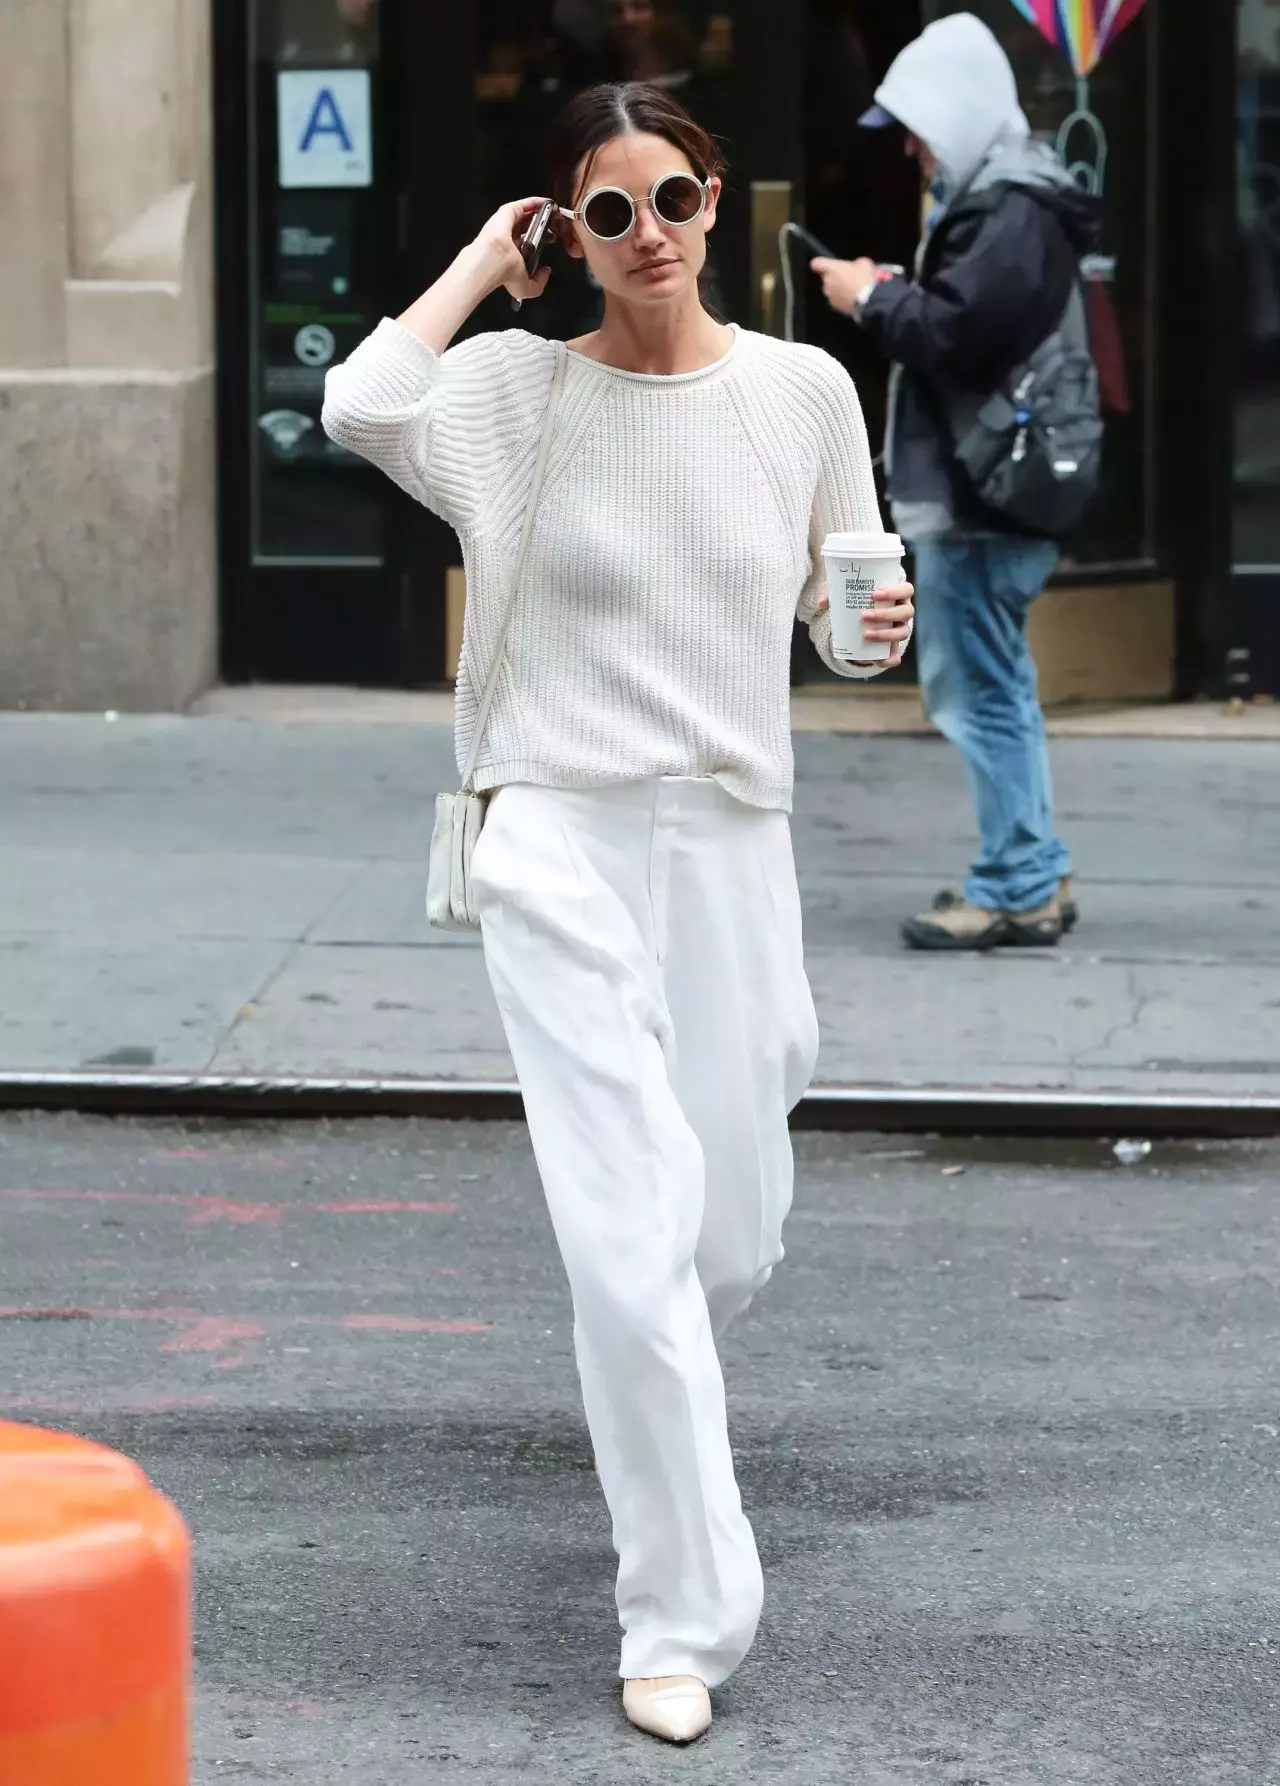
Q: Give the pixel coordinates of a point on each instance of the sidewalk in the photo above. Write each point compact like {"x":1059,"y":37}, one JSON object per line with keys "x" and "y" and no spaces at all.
{"x":241,"y":893}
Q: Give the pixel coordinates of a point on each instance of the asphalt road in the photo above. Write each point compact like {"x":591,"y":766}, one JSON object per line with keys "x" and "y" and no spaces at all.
{"x":1010,"y":1437}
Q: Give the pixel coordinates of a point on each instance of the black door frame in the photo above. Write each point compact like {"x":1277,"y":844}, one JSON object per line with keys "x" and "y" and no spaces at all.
{"x":1228,"y":633}
{"x":1251,"y":664}
{"x":347,"y":623}
{"x":1196,"y":377}
{"x":231,"y":284}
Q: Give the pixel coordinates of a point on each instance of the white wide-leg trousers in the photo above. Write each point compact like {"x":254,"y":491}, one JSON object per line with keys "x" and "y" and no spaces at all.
{"x":643,"y":941}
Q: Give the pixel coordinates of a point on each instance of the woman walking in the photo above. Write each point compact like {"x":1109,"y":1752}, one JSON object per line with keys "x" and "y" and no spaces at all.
{"x":634,"y":876}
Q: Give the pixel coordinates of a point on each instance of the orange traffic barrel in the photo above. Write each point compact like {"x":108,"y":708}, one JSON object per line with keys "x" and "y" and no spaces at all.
{"x":95,"y":1619}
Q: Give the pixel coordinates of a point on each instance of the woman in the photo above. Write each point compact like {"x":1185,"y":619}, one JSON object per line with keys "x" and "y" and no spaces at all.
{"x":637,"y":893}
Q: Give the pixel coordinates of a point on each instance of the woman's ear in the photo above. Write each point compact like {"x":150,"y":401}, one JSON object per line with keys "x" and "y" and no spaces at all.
{"x":709,"y":213}
{"x":567,"y":236}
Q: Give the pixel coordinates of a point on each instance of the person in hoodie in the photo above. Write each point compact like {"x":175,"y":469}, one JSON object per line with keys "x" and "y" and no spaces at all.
{"x":993,"y":277}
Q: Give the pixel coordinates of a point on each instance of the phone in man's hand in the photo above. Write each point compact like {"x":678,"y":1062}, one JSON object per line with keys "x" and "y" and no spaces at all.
{"x":811,"y":241}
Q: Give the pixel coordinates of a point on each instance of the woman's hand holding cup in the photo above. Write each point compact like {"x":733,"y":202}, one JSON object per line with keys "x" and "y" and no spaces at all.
{"x":892,"y":617}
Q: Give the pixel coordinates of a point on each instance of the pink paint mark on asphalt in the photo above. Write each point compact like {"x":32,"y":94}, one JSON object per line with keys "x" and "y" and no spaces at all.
{"x":237,"y":1341}
{"x":276,"y":1161}
{"x":204,"y":1209}
{"x":408,"y":1324}
{"x":207,"y":1210}
{"x":74,"y":1404}
{"x":381,"y":1206}
{"x":223,"y":1209}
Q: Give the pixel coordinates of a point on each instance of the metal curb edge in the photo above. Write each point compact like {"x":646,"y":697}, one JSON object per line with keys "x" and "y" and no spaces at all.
{"x":893,"y":1109}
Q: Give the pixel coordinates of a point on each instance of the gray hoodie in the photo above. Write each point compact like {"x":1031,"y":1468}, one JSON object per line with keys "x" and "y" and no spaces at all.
{"x":953,"y":87}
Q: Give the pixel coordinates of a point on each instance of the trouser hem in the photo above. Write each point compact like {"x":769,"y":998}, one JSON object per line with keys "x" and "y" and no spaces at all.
{"x":992,"y":899}
{"x":660,"y":1664}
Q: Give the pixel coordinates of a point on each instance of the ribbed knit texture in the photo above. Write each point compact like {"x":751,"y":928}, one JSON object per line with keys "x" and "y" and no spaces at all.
{"x":676,"y":538}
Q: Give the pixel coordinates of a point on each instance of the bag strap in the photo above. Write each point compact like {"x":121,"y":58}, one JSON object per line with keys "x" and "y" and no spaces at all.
{"x":500,"y":644}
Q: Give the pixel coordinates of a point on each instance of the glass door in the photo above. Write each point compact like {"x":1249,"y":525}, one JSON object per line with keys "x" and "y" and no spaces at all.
{"x":309,"y":243}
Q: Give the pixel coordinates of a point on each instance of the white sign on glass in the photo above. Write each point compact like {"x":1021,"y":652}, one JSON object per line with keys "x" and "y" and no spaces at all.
{"x":325,"y":127}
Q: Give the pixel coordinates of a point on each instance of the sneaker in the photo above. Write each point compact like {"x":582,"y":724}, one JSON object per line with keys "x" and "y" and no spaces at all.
{"x":1040,"y":929}
{"x":960,"y":925}
{"x":1066,"y":901}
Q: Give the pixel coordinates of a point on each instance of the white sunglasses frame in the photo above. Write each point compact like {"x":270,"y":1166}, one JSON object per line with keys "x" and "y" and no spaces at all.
{"x":677,"y":173}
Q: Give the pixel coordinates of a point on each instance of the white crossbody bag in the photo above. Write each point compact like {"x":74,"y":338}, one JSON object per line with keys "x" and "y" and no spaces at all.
{"x":460,"y":816}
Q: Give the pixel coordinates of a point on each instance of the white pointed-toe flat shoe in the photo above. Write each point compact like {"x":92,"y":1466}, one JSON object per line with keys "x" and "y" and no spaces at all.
{"x":673,"y":1706}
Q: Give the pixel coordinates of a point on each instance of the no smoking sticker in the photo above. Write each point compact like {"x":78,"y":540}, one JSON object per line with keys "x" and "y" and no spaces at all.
{"x":314,"y":344}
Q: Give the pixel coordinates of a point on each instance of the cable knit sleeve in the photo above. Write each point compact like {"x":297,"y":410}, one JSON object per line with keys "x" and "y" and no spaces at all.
{"x":446,"y":427}
{"x":845,"y":500}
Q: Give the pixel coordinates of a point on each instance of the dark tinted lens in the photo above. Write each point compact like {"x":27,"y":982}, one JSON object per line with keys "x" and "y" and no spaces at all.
{"x":608,"y":214}
{"x":678,"y":198}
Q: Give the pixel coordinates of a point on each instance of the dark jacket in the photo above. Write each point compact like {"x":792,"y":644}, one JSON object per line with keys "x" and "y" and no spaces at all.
{"x":992,"y":281}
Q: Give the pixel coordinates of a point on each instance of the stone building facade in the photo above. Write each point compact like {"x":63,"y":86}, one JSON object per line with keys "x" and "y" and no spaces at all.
{"x":108,"y":567}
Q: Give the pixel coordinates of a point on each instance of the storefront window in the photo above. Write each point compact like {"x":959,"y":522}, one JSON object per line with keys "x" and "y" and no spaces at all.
{"x":1101,"y":123}
{"x":319,"y":241}
{"x":1256,"y":483}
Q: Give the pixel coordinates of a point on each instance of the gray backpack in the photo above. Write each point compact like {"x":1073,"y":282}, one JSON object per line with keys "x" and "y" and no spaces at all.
{"x":1032,"y":450}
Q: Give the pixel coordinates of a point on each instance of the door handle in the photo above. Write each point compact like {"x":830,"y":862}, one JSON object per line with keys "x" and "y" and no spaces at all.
{"x":768,"y":295}
{"x":770,"y":209}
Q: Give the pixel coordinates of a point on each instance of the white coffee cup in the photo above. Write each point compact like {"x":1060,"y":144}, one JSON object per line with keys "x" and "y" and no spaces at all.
{"x":859,"y":564}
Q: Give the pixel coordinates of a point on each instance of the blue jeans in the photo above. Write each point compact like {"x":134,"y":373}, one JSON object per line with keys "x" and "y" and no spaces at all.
{"x":979,"y":686}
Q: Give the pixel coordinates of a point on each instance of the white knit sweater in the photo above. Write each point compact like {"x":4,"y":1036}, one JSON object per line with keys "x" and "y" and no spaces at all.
{"x":675,"y":540}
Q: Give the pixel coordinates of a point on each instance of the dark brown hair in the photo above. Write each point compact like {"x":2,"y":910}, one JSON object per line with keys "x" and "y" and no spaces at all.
{"x":598,"y":115}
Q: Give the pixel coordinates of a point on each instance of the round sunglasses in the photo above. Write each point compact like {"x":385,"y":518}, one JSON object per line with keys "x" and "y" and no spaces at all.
{"x":609,"y":213}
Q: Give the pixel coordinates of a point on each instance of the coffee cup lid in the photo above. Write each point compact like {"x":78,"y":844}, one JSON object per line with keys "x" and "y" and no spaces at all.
{"x":863,"y":545}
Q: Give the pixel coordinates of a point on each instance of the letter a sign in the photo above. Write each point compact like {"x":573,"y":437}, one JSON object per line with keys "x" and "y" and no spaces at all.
{"x":325,"y":133}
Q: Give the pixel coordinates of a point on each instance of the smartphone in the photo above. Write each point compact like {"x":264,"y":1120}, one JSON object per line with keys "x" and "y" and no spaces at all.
{"x":534,"y":241}
{"x":536,"y":237}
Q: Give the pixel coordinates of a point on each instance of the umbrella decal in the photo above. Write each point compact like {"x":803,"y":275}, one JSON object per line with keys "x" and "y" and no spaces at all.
{"x":1082,"y":30}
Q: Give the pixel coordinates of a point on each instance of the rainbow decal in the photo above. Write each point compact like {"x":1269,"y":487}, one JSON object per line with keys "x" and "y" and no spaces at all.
{"x":1081,"y":28}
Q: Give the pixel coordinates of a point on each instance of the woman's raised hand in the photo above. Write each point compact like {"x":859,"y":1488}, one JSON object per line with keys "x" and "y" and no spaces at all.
{"x":493,"y":259}
{"x":498,"y":246}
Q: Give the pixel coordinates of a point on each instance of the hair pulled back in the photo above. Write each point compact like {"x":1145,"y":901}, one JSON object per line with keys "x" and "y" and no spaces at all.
{"x":599,"y":114}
